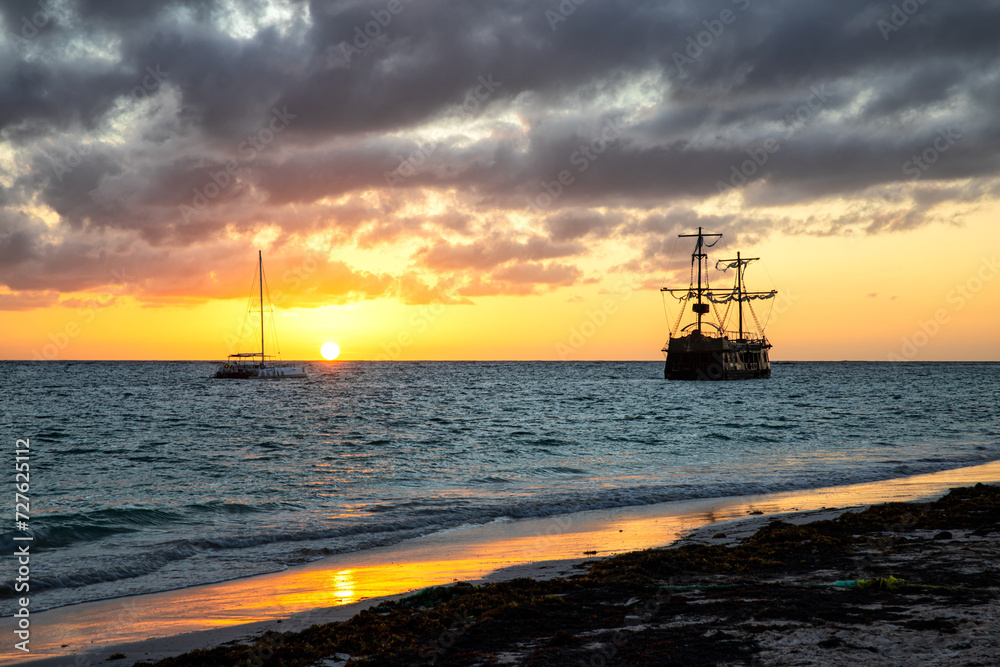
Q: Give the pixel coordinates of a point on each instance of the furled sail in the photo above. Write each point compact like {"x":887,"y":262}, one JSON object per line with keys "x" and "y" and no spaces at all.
{"x":726,"y":264}
{"x":726,"y":297}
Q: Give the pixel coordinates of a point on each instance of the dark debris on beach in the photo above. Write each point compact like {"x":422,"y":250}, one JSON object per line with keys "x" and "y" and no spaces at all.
{"x":695,"y":604}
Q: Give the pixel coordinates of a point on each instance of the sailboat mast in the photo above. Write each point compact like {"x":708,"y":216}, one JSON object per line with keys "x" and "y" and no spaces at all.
{"x":739,"y":290}
{"x":260,"y":269}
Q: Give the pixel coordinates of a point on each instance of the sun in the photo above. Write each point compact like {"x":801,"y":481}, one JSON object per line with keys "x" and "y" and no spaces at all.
{"x":330,"y":351}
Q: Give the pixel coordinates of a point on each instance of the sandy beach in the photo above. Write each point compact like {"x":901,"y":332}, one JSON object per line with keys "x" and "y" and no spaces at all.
{"x":334,"y":589}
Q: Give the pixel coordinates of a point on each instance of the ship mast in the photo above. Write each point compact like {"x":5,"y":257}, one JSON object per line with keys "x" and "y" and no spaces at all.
{"x":700,"y":308}
{"x":742,"y":296}
{"x":704,"y":291}
{"x":739,"y":290}
{"x":260,"y":268}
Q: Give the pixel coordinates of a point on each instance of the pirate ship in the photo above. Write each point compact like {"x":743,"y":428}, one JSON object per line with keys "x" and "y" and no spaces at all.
{"x":704,"y":349}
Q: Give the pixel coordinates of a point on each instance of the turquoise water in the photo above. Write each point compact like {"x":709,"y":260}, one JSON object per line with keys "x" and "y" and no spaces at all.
{"x":147,"y":476}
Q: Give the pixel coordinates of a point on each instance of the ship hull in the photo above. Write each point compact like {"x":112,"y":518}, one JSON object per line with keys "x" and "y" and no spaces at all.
{"x":228,"y":374}
{"x":278,"y":372}
{"x":247,"y":372}
{"x":694,"y":358}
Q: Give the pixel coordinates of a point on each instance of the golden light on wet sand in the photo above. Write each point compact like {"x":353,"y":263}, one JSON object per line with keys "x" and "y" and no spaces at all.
{"x":440,"y":559}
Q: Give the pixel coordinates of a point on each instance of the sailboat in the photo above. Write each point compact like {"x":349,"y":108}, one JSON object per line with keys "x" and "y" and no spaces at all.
{"x":703,"y":349}
{"x":257,"y":365}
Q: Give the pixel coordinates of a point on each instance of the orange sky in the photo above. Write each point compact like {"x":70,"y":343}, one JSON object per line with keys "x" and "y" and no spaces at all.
{"x":839,"y":298}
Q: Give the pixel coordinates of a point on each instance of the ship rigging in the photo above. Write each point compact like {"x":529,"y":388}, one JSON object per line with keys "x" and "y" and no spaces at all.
{"x":258,"y":365}
{"x":692,"y":353}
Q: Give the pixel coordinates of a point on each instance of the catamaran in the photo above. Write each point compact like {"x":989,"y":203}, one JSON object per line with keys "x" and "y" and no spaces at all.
{"x":694,"y":353}
{"x":257,"y":365}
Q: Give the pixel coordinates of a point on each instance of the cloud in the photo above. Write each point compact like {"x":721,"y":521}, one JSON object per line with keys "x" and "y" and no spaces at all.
{"x":490,"y":252}
{"x":28,"y":300}
{"x":572,"y":225}
{"x":164,"y":136}
{"x":412,"y":290}
{"x":538,"y":274}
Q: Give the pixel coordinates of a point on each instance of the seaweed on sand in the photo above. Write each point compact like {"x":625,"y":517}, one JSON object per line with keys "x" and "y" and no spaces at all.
{"x":690,"y":605}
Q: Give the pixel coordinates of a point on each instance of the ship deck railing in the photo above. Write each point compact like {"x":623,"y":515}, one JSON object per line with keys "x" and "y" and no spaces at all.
{"x":734,"y":336}
{"x":745,"y":338}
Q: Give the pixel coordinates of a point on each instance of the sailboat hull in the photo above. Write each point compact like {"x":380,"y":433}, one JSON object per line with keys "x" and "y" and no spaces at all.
{"x":234,"y":374}
{"x":278,"y":372}
{"x":247,"y":372}
{"x":703,"y":358}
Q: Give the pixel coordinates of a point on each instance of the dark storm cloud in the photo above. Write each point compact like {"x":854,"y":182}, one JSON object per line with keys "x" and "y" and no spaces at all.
{"x":492,"y":251}
{"x":571,"y":225}
{"x":631,"y":106}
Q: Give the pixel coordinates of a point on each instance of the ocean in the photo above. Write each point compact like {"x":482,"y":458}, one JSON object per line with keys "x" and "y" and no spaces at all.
{"x":148,"y":476}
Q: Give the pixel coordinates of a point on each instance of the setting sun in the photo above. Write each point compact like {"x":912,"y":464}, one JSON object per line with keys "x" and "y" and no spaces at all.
{"x":330,"y":351}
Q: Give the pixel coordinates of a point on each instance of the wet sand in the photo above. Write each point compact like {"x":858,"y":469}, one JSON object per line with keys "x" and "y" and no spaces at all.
{"x":337,"y":587}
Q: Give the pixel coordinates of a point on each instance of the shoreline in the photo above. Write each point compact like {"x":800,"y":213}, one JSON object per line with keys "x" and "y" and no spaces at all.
{"x":334,"y":588}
